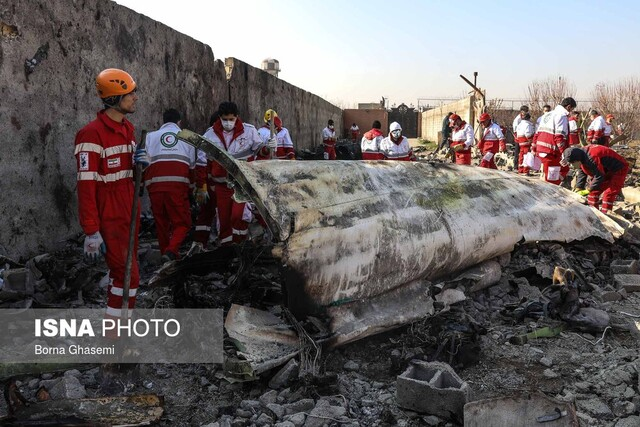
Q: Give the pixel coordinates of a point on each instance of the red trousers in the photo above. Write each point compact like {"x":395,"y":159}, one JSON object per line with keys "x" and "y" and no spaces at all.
{"x":233,"y":227}
{"x":114,"y":204}
{"x":524,"y":149}
{"x":172,"y":214}
{"x":206,"y":216}
{"x":608,"y":191}
{"x":491,"y":163}
{"x":463,"y":157}
{"x":329,"y":152}
{"x":551,"y":168}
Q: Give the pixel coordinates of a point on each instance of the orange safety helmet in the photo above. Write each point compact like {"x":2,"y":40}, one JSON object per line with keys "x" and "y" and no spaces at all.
{"x":114,"y":82}
{"x":484,"y":117}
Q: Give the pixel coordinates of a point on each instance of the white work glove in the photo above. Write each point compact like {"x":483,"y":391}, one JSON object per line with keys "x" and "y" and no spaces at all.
{"x":141,"y":157}
{"x":94,"y":247}
{"x":272,"y":143}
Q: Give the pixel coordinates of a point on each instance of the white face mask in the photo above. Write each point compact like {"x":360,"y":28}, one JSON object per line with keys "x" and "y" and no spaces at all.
{"x":396,"y":133}
{"x":228,"y":124}
{"x":331,"y":127}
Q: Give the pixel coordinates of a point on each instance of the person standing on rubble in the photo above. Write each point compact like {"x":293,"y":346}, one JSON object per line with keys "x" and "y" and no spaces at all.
{"x":491,"y":142}
{"x":241,"y":141}
{"x":574,"y":130}
{"x":524,"y":109}
{"x":606,"y":169}
{"x":205,"y":198}
{"x":524,"y":137}
{"x":329,"y":141}
{"x":608,"y":129}
{"x":595,"y":131}
{"x":551,"y":140}
{"x":461,"y":139}
{"x":284,"y":150}
{"x":106,"y":154}
{"x":355,"y":132}
{"x":396,"y":146}
{"x":370,"y":143}
{"x":167,"y":179}
{"x":446,"y":133}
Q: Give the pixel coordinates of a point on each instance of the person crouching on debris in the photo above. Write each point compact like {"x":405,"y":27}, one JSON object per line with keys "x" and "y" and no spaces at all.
{"x":524,"y":136}
{"x":329,"y":141}
{"x":607,"y":171}
{"x":595,"y":131}
{"x":370,"y":143}
{"x":461,"y":139}
{"x":168,"y":178}
{"x":396,"y":146}
{"x":283,"y":142}
{"x":241,"y":141}
{"x":106,"y":153}
{"x":491,"y":142}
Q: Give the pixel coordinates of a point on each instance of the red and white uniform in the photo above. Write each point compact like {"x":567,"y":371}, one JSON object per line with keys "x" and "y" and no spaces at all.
{"x":524,"y":137}
{"x":608,"y":130}
{"x":355,"y":132}
{"x":491,"y":142}
{"x":243,"y":143}
{"x":104,"y":153}
{"x":574,"y":137}
{"x":207,"y":212}
{"x":595,"y":131}
{"x":329,"y":142}
{"x":462,"y":135}
{"x":607,"y":170}
{"x":285,"y":144}
{"x":550,"y":141}
{"x":168,"y":178}
{"x":370,"y":145}
{"x":396,"y":150}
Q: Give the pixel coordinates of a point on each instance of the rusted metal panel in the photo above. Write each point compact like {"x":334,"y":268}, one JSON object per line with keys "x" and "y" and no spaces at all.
{"x":351,"y":230}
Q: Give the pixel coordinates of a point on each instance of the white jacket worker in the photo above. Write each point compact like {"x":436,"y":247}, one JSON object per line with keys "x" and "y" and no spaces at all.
{"x":524,"y":137}
{"x":595,"y":131}
{"x":396,"y":146}
{"x":462,"y":139}
{"x":284,"y":148}
{"x":167,"y":179}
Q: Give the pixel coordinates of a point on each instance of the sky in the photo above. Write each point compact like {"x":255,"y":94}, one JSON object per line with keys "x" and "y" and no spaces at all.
{"x":357,"y":51}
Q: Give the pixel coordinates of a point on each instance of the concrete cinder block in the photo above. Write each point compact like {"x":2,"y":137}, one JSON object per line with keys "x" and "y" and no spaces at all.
{"x":624,"y":266}
{"x":432,"y":388}
{"x":17,"y":283}
{"x":628,"y":282}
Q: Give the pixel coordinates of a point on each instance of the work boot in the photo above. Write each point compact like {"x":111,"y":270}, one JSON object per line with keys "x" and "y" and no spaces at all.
{"x":168,"y":256}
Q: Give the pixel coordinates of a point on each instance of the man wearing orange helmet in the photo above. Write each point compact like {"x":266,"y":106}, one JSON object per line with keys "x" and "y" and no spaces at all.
{"x":461,"y":139}
{"x":104,"y":150}
{"x":492,"y":140}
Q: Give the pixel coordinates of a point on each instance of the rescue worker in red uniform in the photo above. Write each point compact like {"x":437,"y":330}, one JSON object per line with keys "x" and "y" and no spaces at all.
{"x":241,"y":141}
{"x":106,"y":153}
{"x":329,"y":141}
{"x":370,"y":144}
{"x":396,"y":146}
{"x":608,"y":129}
{"x":461,"y":139}
{"x":491,"y":142}
{"x":355,"y":132}
{"x":550,"y":141}
{"x":524,"y":137}
{"x":595,"y":131}
{"x":607,"y":171}
{"x":574,"y":136}
{"x":167,"y":179}
{"x":284,"y":150}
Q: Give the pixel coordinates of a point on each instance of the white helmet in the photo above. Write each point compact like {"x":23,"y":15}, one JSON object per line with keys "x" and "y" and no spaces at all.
{"x":395,"y":126}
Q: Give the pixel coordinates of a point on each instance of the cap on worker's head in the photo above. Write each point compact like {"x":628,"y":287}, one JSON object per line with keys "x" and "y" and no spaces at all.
{"x":524,"y":108}
{"x":570,"y":155}
{"x":610,"y":116}
{"x":395,"y":126}
{"x":484,"y":117}
{"x":330,"y":122}
{"x":114,"y":82}
{"x":269,"y":114}
{"x":594,"y":113}
{"x":454,"y":117}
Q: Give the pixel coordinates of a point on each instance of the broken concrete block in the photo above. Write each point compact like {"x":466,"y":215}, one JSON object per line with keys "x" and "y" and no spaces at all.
{"x":285,"y":375}
{"x":450,"y":296}
{"x":624,"y":266}
{"x":628,"y":282}
{"x":68,"y":387}
{"x":16,"y":283}
{"x":432,"y":388}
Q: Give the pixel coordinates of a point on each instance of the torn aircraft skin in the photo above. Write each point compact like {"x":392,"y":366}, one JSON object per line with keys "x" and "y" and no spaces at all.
{"x":350,"y":232}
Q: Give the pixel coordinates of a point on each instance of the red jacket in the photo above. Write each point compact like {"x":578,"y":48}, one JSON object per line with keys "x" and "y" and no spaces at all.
{"x":104,"y":154}
{"x":598,"y":162}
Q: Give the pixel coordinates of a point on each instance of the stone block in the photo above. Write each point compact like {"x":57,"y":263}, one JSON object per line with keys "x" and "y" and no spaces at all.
{"x":432,"y":388}
{"x":628,"y":282}
{"x":16,"y":283}
{"x":624,"y":266}
{"x":68,"y":387}
{"x":285,"y":375}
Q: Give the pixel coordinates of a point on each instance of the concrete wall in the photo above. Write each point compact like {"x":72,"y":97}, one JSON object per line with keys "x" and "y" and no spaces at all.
{"x":432,"y":119}
{"x":364,"y":119}
{"x":42,"y":106}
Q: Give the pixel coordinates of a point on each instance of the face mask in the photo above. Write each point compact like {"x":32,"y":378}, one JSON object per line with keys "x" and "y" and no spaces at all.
{"x":228,"y":124}
{"x":396,"y":133}
{"x":331,"y":127}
